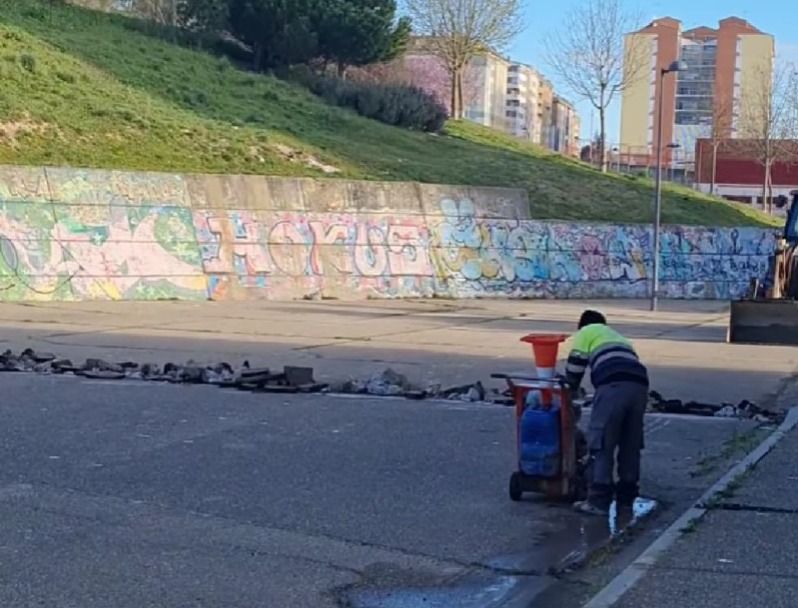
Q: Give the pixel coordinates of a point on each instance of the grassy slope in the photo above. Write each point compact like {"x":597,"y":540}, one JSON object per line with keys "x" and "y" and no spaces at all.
{"x":104,"y":95}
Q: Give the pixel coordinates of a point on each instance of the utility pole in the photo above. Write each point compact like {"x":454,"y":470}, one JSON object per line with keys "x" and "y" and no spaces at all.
{"x":676,"y":66}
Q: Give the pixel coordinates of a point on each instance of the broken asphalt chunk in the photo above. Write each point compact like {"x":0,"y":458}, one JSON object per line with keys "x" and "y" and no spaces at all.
{"x":298,"y":376}
{"x":63,"y":366}
{"x":192,"y":375}
{"x":275,"y":388}
{"x":313,"y":387}
{"x":101,"y":365}
{"x":29,"y":353}
{"x":257,"y":376}
{"x":102,"y":374}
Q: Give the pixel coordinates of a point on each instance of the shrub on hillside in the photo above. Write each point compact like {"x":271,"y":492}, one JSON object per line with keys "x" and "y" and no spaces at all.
{"x":398,"y":105}
{"x":28,"y":62}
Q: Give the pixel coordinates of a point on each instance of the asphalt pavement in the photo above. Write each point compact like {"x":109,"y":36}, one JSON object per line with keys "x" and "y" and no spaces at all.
{"x":132,"y":494}
{"x":431,"y":341}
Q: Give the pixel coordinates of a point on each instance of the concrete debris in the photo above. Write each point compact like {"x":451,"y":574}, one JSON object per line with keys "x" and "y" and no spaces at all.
{"x":103,"y":374}
{"x":256,"y":376}
{"x":29,"y":353}
{"x":291,"y":379}
{"x":298,"y":376}
{"x":745,"y":409}
{"x":63,"y":366}
{"x":387,"y":383}
{"x":92,"y":365}
{"x":390,"y":383}
{"x":468,"y":392}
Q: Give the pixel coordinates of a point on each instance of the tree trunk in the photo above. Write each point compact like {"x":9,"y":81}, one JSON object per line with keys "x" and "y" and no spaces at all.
{"x":457,"y":93}
{"x":765,"y":188}
{"x":602,"y":133}
{"x":769,"y":179}
{"x":713,"y":179}
{"x":453,"y":98}
{"x":460,"y":99}
{"x":602,"y":145}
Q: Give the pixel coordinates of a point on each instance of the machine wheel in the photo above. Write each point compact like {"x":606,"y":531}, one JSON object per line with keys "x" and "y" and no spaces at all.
{"x":516,"y":492}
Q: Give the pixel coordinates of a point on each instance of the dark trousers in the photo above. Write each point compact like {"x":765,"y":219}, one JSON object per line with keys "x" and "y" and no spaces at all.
{"x":616,"y":425}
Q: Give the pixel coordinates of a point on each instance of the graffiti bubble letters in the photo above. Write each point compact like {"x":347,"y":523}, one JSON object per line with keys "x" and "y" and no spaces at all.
{"x":319,"y":245}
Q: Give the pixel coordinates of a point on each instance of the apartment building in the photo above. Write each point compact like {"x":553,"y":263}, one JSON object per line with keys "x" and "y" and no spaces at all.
{"x":564,"y":128}
{"x":485,"y":90}
{"x":484,"y":81}
{"x":501,"y":94}
{"x":537,"y":113}
{"x":726,"y":70}
{"x":523,"y":105}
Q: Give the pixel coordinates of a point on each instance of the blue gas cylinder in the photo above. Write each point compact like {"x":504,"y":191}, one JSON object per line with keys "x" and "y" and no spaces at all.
{"x":540,"y":439}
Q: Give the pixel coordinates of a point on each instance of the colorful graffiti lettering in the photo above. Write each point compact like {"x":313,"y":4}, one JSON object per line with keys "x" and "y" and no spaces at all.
{"x":379,"y":255}
{"x":68,"y":234}
{"x":86,"y":246}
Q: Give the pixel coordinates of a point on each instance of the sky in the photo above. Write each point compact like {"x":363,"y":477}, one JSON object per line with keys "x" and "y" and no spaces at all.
{"x":776,"y":17}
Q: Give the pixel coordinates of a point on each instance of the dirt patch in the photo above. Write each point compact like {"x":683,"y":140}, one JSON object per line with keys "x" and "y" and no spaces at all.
{"x":296,"y":156}
{"x":12,"y":130}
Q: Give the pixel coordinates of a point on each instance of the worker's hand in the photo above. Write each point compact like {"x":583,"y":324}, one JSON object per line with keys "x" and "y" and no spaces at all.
{"x":562,"y":379}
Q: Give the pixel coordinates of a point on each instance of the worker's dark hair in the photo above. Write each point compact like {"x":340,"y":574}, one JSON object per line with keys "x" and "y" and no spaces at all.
{"x":592,"y":317}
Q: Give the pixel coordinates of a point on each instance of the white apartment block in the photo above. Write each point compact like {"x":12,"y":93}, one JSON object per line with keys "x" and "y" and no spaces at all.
{"x":524,"y":117}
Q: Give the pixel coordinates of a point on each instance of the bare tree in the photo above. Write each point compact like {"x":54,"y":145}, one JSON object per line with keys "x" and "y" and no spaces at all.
{"x":769,"y":122}
{"x":458,"y":30}
{"x":594,"y":61}
{"x":719,"y":132}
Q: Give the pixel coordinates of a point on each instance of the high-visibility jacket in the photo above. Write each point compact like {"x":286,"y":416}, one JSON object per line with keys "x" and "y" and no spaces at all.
{"x":610,"y":356}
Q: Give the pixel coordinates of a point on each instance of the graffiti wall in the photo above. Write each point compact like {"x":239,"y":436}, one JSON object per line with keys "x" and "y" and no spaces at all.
{"x":73,"y":234}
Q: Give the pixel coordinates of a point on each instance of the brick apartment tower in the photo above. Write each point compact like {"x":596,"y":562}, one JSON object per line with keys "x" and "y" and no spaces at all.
{"x":726,"y":68}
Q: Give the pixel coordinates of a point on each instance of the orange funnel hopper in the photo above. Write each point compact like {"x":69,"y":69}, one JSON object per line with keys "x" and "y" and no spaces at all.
{"x":545,"y":347}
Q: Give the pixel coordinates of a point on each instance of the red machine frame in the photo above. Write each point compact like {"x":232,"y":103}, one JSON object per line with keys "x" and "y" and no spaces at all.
{"x":569,"y":484}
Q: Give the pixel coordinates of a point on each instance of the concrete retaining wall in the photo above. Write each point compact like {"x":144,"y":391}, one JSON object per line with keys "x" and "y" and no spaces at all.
{"x":69,"y":234}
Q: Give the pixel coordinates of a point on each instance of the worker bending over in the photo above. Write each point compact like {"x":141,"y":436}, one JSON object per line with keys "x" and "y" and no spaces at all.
{"x":620,"y":381}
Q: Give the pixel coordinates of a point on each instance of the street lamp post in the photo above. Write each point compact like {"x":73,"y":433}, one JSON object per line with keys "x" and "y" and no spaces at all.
{"x":676,"y":66}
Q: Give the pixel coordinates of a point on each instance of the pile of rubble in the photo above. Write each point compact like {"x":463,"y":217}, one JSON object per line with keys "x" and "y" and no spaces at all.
{"x":290,"y":380}
{"x":745,"y":409}
{"x":390,"y":383}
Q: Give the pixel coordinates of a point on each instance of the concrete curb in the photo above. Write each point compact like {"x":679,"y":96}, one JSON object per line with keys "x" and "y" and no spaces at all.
{"x":609,"y":596}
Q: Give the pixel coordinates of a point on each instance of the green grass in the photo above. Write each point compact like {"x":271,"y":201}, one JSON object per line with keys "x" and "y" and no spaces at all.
{"x":86,"y":89}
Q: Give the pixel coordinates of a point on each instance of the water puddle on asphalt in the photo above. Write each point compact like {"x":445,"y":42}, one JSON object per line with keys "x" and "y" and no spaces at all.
{"x":466,"y":595}
{"x":570,"y":540}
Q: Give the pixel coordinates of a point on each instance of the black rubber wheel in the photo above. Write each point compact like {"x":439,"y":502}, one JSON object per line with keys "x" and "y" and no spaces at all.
{"x":516,"y":493}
